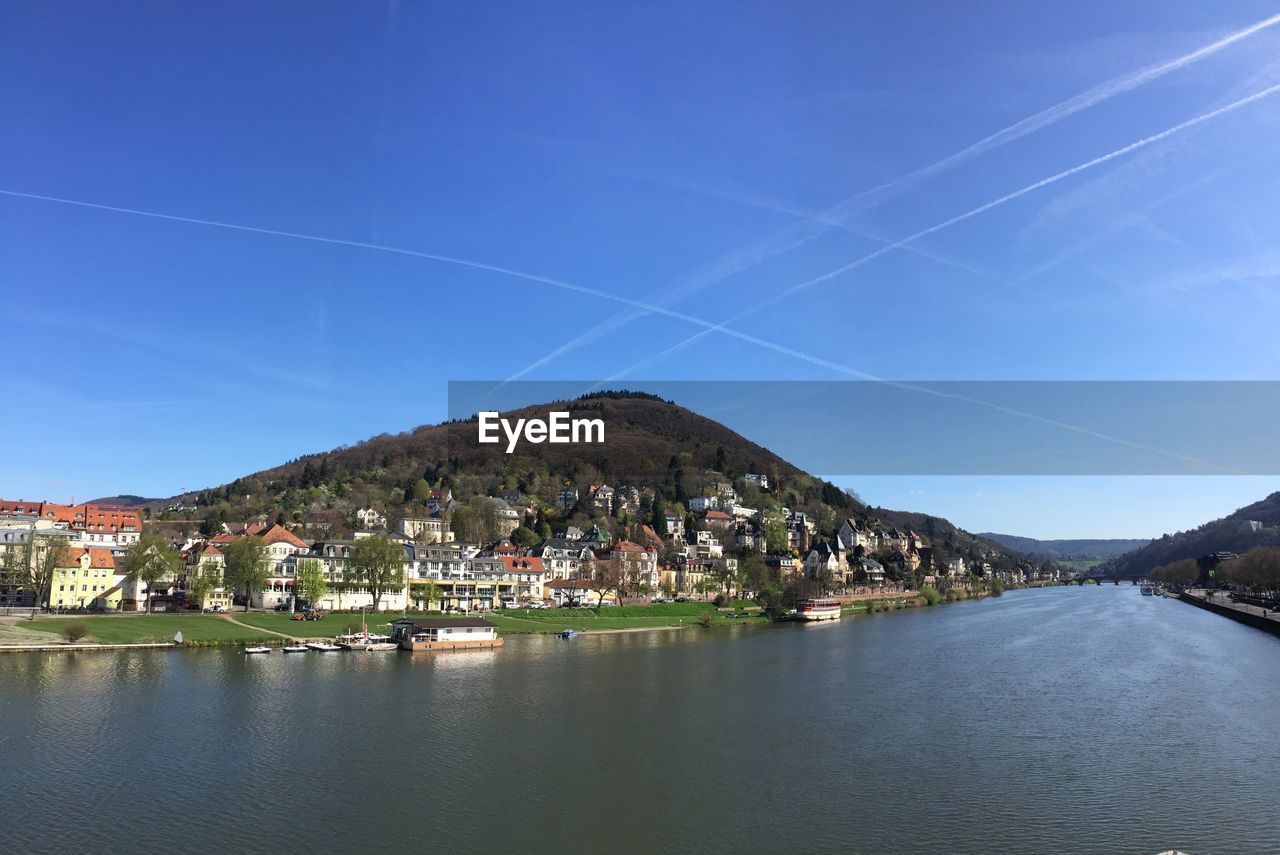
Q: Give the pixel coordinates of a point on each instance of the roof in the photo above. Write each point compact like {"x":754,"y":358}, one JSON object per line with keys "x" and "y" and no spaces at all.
{"x":279,"y":534}
{"x":627,"y":546}
{"x":100,"y":557}
{"x":437,"y":623}
{"x":522,"y":563}
{"x":718,"y":515}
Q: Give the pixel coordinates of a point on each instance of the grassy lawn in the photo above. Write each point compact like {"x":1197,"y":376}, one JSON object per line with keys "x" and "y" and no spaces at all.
{"x":333,"y":623}
{"x":135,"y":629}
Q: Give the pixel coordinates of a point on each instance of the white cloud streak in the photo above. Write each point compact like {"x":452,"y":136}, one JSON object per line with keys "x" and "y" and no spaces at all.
{"x":973,"y":212}
{"x":838,"y":215}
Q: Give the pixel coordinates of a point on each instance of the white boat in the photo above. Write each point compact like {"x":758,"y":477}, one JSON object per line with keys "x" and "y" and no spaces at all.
{"x":365,"y":640}
{"x":322,"y":646}
{"x":258,"y":649}
{"x":294,"y":648}
{"x":818,"y":610}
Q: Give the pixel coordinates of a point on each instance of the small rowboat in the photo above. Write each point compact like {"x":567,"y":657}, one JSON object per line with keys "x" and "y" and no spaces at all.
{"x":259,"y":649}
{"x":568,"y":633}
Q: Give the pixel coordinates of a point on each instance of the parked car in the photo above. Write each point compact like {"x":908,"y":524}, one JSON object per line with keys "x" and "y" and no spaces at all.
{"x":284,"y":606}
{"x":218,"y":607}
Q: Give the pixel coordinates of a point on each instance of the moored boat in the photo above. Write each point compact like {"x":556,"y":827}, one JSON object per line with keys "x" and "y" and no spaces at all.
{"x":294,"y":648}
{"x":568,"y":633}
{"x":818,"y":610}
{"x":322,"y":646}
{"x":257,"y":649}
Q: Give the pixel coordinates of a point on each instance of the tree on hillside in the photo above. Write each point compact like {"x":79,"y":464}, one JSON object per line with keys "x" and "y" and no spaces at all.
{"x":1258,"y":569}
{"x":202,"y":580}
{"x":29,"y":564}
{"x":774,"y":526}
{"x":311,"y":584}
{"x":524,"y":537}
{"x":753,"y":573}
{"x":247,"y":565}
{"x":149,"y":559}
{"x":658,"y":519}
{"x":378,"y":562}
{"x":725,"y":576}
{"x":427,"y":592}
{"x":606,"y":577}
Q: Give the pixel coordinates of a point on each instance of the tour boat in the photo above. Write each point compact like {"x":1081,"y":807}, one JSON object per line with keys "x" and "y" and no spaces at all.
{"x":322,"y":646}
{"x":259,"y":649}
{"x":818,"y":610}
{"x":294,"y":648}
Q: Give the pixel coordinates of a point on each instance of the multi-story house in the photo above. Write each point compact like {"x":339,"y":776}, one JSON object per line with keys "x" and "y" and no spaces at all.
{"x":638,"y":565}
{"x":563,"y":558}
{"x":567,"y":498}
{"x":424,"y":529}
{"x":92,"y":525}
{"x":86,"y":578}
{"x":601,"y":498}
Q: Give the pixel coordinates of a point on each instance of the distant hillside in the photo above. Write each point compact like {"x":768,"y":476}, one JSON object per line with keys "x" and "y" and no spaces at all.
{"x":650,"y":443}
{"x":129,"y":501}
{"x":1068,"y":550}
{"x":949,"y":539}
{"x":1254,"y":525}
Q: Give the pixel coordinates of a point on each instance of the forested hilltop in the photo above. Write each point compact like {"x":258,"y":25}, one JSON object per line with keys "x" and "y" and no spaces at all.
{"x":663,"y":454}
{"x":1254,"y":525}
{"x":1068,"y":549}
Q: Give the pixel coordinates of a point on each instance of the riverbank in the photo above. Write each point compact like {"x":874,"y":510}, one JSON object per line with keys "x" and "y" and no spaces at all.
{"x":1254,"y":616}
{"x":108,"y":632}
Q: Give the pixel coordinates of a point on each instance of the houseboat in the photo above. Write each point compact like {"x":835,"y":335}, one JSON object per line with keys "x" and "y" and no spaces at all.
{"x":818,"y":610}
{"x":466,"y":633}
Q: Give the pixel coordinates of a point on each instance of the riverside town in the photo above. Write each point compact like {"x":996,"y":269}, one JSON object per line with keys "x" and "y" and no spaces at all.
{"x":607,"y":428}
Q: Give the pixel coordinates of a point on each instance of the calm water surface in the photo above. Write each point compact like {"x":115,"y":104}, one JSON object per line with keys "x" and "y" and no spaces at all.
{"x":1057,"y":720}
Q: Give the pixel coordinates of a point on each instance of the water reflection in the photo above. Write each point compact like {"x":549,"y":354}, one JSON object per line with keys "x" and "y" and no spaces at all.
{"x":1039,"y":721}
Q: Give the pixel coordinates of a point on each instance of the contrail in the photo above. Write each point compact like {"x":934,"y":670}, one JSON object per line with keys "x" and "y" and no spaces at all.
{"x":444,"y":259}
{"x":1008,"y":197}
{"x":1083,"y":101}
{"x":708,"y":326}
{"x":838,"y":215}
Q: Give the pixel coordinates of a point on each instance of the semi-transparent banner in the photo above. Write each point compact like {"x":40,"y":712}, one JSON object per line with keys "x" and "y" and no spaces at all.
{"x":842,"y":427}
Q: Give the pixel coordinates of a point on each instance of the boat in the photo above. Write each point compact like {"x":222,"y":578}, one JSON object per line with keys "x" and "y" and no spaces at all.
{"x":1147,"y":589}
{"x":257,"y":649}
{"x":322,"y":646}
{"x":818,"y":610}
{"x":365,"y":640}
{"x":568,"y":633}
{"x":294,"y":648}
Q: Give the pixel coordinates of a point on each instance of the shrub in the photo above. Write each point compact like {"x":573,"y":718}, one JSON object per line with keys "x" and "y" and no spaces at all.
{"x":705,"y":618}
{"x":997,"y":587}
{"x":75,"y":631}
{"x":721,"y":600}
{"x":930,"y":596}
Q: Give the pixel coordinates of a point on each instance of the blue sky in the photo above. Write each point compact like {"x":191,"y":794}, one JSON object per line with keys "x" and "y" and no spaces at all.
{"x":618,"y":181}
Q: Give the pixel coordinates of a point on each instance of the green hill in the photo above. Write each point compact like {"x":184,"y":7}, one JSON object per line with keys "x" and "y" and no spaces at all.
{"x":1254,"y":525}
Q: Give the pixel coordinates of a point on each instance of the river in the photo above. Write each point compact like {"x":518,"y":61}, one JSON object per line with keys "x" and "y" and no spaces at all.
{"x":1064,"y":719}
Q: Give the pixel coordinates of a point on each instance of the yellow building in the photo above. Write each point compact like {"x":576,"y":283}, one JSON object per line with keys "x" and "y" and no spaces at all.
{"x":88,"y":579}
